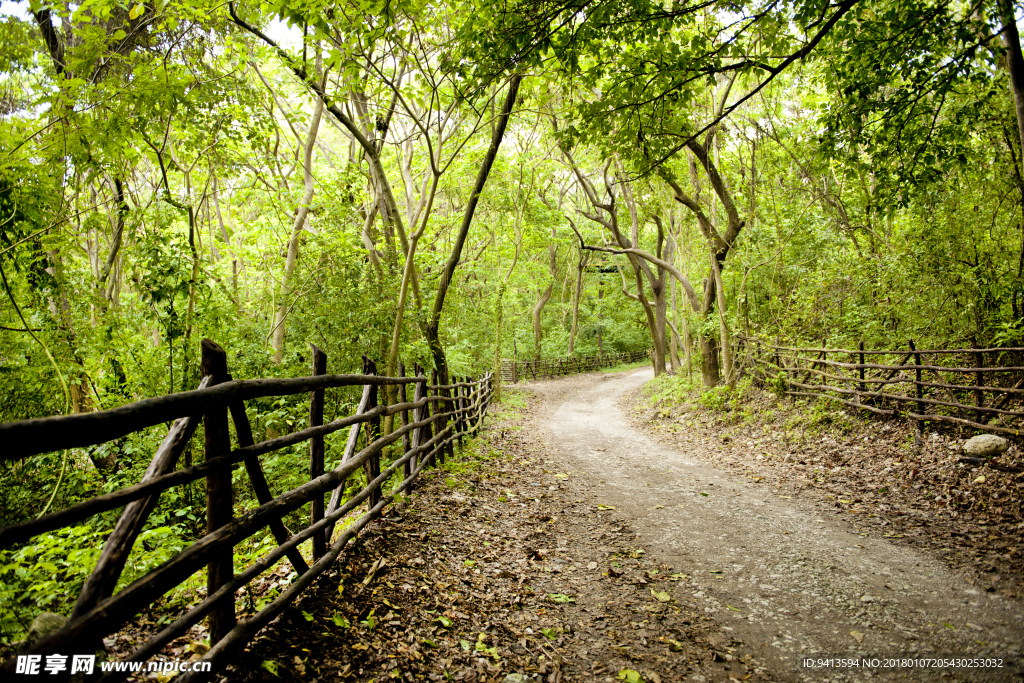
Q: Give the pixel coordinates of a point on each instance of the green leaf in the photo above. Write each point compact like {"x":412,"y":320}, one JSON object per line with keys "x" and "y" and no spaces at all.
{"x":549,"y":633}
{"x":134,"y":14}
{"x":270,"y":666}
{"x":444,"y":621}
{"x":561,"y":598}
{"x":630,"y":676}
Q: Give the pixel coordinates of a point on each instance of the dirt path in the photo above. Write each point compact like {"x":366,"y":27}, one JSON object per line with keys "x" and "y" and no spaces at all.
{"x":775,"y":573}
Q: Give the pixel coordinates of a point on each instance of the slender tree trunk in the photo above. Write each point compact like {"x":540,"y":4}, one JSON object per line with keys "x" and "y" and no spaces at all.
{"x":538,"y":308}
{"x":498,"y":315}
{"x":432,"y":329}
{"x":722,"y":323}
{"x":115,"y":241}
{"x":584,"y":256}
{"x":298,"y":225}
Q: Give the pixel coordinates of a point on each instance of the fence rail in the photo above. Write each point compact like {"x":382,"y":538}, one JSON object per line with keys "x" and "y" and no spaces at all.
{"x":439,"y":413}
{"x":513,"y":371}
{"x":982,"y":388}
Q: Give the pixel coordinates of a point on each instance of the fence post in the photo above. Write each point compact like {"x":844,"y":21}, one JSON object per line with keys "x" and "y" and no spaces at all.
{"x":445,"y":406}
{"x":216,"y":442}
{"x":316,"y":450}
{"x":979,"y":381}
{"x":863,"y":386}
{"x":435,"y":408}
{"x":420,"y":435}
{"x":406,"y":441}
{"x":372,"y":465}
{"x":458,"y":406}
{"x":919,"y":392}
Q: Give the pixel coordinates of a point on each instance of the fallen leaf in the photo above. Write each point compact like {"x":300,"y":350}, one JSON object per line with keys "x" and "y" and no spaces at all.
{"x":980,"y":480}
{"x":734,"y":609}
{"x":630,"y":676}
{"x":374,"y":568}
{"x":661,"y":596}
{"x":858,"y":636}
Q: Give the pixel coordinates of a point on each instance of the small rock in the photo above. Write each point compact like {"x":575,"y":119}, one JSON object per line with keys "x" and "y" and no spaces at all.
{"x":867,"y":598}
{"x":858,"y":636}
{"x":986,"y":445}
{"x":515,"y":678}
{"x":43,"y":626}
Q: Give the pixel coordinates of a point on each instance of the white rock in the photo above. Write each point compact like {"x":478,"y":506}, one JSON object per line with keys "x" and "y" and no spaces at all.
{"x":986,"y":445}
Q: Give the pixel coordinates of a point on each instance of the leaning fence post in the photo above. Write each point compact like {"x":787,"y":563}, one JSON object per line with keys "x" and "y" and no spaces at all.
{"x":372,"y":465}
{"x":316,"y":451}
{"x":217,"y":442}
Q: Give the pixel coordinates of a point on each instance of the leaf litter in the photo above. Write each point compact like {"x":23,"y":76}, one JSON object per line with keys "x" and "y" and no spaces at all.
{"x":482,"y":576}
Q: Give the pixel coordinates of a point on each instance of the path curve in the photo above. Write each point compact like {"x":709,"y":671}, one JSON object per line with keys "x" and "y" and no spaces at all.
{"x":777,"y":575}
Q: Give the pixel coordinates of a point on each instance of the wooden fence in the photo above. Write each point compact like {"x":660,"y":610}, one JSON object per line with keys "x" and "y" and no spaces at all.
{"x":438,"y":414}
{"x":978,"y":388}
{"x":513,"y":371}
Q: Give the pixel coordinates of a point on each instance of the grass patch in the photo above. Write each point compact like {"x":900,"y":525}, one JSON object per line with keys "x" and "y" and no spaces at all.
{"x":622,"y":367}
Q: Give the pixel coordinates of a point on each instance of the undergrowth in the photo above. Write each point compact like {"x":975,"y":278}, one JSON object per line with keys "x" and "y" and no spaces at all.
{"x":743,"y":404}
{"x":622,"y":367}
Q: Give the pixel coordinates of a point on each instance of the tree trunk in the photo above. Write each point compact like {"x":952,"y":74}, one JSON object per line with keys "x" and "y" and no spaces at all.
{"x":576,"y":300}
{"x":115,"y":241}
{"x":298,"y":225}
{"x":538,"y":333}
{"x":431,"y":329}
{"x":498,"y":315}
{"x":709,"y":360}
{"x":723,"y":327}
{"x":1014,"y":61}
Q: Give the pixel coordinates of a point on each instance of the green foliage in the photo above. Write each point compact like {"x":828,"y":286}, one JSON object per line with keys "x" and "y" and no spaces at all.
{"x":48,"y":574}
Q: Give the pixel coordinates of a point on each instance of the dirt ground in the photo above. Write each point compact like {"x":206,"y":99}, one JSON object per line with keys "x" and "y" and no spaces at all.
{"x":578,"y":548}
{"x":777,"y":569}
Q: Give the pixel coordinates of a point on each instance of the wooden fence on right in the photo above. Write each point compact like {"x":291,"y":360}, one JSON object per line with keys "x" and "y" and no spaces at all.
{"x":978,"y":388}
{"x":513,"y":371}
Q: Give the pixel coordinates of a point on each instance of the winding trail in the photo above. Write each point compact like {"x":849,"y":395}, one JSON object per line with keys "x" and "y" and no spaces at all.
{"x":776,"y":574}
